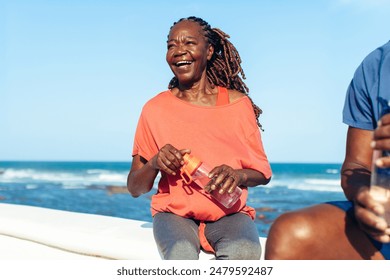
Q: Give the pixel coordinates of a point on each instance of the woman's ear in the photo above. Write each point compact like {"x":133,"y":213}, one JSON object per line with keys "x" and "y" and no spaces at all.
{"x":210,"y":51}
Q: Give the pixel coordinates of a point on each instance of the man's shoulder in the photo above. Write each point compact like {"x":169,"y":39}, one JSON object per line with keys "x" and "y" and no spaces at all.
{"x":386,"y":47}
{"x":378,"y":54}
{"x":374,"y":61}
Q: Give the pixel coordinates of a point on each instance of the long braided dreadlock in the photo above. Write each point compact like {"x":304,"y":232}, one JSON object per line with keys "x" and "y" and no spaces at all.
{"x":224,"y":67}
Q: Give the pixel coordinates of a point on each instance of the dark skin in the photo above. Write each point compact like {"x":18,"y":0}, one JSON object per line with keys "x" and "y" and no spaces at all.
{"x":187,"y":54}
{"x":326,"y":232}
{"x":356,"y":179}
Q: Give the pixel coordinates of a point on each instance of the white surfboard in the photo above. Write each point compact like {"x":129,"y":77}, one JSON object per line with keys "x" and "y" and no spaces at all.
{"x":28,"y":232}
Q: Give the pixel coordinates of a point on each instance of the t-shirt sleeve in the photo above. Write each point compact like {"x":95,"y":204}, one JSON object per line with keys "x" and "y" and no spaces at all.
{"x":361,"y":103}
{"x":357,"y":111}
{"x":144,"y":142}
{"x":256,"y":158}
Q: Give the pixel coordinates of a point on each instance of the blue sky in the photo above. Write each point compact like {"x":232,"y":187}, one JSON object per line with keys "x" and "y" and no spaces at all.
{"x":75,"y":74}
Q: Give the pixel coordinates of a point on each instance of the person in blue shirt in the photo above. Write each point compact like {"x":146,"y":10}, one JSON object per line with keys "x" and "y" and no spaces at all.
{"x":351,"y":229}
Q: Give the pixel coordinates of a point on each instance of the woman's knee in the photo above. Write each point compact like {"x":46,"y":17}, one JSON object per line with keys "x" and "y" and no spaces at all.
{"x":176,"y":237}
{"x":242,"y":249}
{"x":181,"y":250}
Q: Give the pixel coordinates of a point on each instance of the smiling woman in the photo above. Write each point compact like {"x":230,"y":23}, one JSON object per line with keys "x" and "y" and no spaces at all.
{"x":205,"y":93}
{"x":188,"y":53}
{"x":223,"y":59}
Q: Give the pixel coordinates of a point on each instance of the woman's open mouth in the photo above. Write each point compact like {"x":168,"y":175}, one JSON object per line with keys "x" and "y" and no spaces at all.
{"x":183,"y":63}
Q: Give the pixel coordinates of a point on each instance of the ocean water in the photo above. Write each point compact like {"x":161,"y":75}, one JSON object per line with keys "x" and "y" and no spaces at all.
{"x":99,"y":188}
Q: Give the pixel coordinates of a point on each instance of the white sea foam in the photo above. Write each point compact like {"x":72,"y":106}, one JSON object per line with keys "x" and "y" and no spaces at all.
{"x":321,"y":185}
{"x":112,"y":177}
{"x":74,"y":179}
{"x":73,"y":187}
{"x":332,"y":171}
{"x":89,"y":177}
{"x":330,"y":182}
{"x":96,"y":171}
{"x":11,"y":174}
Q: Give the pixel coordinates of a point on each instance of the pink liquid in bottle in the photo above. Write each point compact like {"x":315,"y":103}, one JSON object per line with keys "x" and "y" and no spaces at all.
{"x":196,"y":170}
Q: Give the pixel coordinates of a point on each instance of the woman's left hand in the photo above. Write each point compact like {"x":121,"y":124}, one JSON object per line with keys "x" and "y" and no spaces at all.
{"x":225,"y":179}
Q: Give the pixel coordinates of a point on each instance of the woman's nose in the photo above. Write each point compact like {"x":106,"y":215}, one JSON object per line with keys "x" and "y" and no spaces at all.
{"x":180,"y":50}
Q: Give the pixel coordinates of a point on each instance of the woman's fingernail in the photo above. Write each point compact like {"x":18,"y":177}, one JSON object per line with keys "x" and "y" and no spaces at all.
{"x":372,"y":144}
{"x":377,"y":210}
{"x":379,"y":162}
{"x":381,"y":224}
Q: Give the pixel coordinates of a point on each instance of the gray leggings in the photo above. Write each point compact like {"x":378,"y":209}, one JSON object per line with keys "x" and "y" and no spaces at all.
{"x":233,"y":237}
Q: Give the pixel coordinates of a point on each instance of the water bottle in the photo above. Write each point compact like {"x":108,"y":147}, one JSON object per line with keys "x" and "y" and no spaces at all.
{"x":380,"y":177}
{"x":196,"y":170}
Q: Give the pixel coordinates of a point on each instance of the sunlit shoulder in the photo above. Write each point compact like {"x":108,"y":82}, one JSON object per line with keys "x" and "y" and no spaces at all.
{"x":235,"y":95}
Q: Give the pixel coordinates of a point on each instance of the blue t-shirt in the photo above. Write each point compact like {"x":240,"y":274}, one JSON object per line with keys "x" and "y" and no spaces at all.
{"x":369,"y":90}
{"x":368,"y":95}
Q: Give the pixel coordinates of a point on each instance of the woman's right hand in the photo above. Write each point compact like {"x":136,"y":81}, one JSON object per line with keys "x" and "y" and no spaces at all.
{"x":367,"y":214}
{"x":169,"y":159}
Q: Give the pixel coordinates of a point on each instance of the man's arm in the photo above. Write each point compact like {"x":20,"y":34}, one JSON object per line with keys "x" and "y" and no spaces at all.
{"x":356,"y":169}
{"x":355,"y":181}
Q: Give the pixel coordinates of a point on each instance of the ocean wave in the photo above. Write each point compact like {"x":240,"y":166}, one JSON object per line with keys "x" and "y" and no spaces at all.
{"x":319,"y":188}
{"x":95,"y":171}
{"x":320,"y":185}
{"x":8,"y":175}
{"x":113,"y":177}
{"x":331,"y":182}
{"x":332,"y":171}
{"x":88,"y":177}
{"x":73,"y":187}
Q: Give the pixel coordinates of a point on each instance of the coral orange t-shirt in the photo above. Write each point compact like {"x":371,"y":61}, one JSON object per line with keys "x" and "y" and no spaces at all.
{"x":226,"y":134}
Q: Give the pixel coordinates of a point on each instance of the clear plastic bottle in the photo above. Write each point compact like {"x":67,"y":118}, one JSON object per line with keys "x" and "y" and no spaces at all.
{"x":196,"y":170}
{"x":380,"y":177}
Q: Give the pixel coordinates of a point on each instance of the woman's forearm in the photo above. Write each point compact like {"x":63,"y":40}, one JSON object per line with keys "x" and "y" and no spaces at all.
{"x":141,"y":177}
{"x":252,"y":178}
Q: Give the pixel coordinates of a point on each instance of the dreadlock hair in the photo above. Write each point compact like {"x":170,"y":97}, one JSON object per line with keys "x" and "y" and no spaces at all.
{"x":224,"y":67}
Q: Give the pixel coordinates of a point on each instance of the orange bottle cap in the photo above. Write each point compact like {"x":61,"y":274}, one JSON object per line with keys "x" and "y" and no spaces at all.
{"x":191,"y":164}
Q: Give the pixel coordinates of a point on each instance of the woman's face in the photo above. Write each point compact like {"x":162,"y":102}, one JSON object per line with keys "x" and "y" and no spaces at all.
{"x":188,"y":52}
